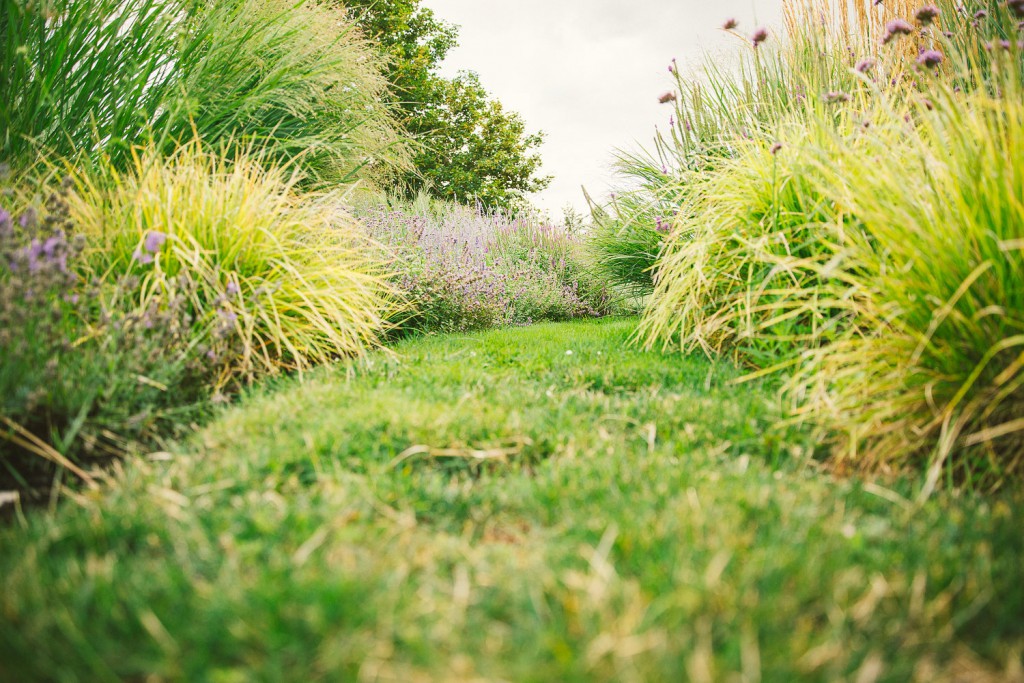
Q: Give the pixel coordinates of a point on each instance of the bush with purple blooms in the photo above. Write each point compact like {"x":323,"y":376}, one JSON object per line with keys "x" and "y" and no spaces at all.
{"x":462,"y":269}
{"x":83,"y":377}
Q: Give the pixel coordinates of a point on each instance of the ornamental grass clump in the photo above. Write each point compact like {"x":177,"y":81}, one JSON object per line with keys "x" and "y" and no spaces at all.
{"x":869,"y":242}
{"x":738,"y":274}
{"x":288,"y":271}
{"x":95,"y":78}
{"x":931,"y":373}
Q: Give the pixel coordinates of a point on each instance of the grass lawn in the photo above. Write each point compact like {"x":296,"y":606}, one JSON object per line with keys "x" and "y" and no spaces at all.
{"x":538,"y":504}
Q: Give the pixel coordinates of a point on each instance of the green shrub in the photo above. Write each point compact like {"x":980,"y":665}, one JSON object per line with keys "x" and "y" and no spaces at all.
{"x":82,"y":377}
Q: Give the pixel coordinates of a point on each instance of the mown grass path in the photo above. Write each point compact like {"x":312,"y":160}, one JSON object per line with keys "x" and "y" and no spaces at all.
{"x":540,"y":504}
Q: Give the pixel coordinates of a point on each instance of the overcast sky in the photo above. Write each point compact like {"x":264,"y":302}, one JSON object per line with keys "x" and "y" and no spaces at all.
{"x":588,"y":72}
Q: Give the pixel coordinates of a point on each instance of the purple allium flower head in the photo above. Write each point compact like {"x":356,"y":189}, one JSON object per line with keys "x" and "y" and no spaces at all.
{"x":927,"y":14}
{"x":930,"y":59}
{"x":154,"y":240}
{"x":896,"y":27}
{"x":142,"y":257}
{"x":865,"y":65}
{"x":775,"y":148}
{"x":759,"y":35}
{"x":232,"y":289}
{"x":730,"y":24}
{"x":980,"y":14}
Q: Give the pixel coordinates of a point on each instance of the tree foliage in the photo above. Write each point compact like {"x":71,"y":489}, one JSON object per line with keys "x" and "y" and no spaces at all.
{"x":472,"y":148}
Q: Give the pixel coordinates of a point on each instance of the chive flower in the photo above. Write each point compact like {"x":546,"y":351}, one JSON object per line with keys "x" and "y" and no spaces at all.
{"x":667,"y":97}
{"x":730,"y":24}
{"x":759,"y":35}
{"x":775,"y":148}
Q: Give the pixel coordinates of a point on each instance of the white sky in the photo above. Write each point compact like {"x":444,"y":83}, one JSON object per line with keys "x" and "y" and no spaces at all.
{"x":588,"y":72}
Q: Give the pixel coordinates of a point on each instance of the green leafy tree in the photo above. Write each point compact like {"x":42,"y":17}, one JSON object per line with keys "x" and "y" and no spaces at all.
{"x":472,"y":148}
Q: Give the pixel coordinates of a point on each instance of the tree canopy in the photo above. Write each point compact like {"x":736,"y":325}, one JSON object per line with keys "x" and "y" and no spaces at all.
{"x":471,"y":147}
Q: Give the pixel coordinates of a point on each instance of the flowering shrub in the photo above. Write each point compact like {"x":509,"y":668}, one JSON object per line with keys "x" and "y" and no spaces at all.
{"x":461,"y":269}
{"x":82,"y":375}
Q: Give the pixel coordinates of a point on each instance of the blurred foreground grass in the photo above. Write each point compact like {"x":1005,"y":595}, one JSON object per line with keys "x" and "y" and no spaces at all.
{"x":538,"y":504}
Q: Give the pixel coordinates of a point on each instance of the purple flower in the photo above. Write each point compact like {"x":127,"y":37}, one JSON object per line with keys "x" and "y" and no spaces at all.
{"x":50,"y":246}
{"x":730,"y":24}
{"x":232,"y":289}
{"x":28,"y":218}
{"x":927,"y":14}
{"x":865,"y":65}
{"x":142,"y":257}
{"x":5,"y":222}
{"x":775,"y":148}
{"x":759,"y":35}
{"x":667,"y":97}
{"x":930,"y":59}
{"x":980,"y":14}
{"x":837,"y":96}
{"x":154,"y":240}
{"x":896,"y":27}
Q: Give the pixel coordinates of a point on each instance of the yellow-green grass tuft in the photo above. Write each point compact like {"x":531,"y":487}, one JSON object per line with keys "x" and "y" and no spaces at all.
{"x":289,"y":272}
{"x":932,"y":371}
